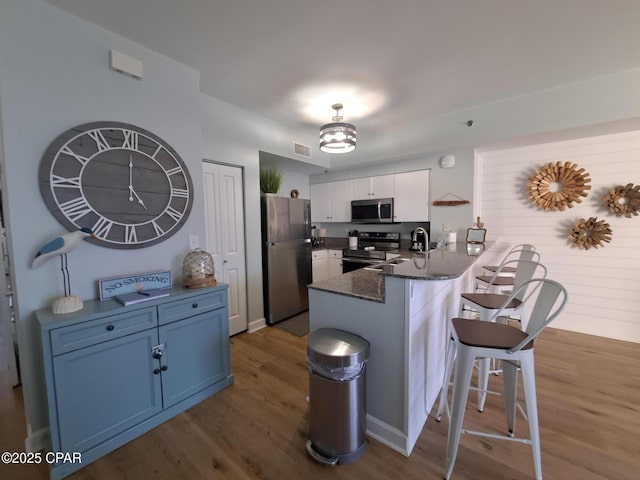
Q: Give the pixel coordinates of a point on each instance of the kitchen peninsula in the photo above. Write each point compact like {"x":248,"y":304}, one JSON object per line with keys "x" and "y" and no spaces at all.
{"x":402,"y":309}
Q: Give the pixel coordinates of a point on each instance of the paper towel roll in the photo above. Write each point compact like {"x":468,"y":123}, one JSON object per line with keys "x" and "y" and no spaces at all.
{"x":322,"y":232}
{"x":451,"y":237}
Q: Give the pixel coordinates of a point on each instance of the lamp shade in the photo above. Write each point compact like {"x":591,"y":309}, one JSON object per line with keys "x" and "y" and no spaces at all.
{"x":339,"y":136}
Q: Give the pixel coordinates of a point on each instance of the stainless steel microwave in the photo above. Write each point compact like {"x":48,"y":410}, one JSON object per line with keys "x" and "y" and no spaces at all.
{"x":375,"y":210}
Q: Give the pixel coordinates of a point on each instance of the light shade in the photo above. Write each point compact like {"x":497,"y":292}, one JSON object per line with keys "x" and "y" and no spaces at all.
{"x":339,"y":136}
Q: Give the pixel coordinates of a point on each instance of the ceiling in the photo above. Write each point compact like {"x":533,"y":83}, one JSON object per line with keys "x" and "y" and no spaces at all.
{"x":391,"y":63}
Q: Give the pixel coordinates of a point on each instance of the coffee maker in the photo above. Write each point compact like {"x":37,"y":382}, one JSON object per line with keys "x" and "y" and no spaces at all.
{"x":315,"y":242}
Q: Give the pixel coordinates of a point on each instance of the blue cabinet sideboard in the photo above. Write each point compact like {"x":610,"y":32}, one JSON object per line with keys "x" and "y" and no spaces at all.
{"x":113,"y":372}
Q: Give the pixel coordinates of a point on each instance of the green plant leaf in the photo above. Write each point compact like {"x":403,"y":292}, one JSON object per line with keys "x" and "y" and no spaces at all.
{"x":270,"y":179}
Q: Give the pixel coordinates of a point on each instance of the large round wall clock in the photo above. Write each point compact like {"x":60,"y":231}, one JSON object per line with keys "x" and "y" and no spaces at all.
{"x":123,"y":182}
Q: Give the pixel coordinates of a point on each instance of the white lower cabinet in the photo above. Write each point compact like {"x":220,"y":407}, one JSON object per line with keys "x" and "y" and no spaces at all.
{"x":335,"y":263}
{"x":326,"y":264}
{"x":319,"y":265}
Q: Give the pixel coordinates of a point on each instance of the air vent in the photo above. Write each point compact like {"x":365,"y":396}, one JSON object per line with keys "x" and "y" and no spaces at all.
{"x":300,"y":149}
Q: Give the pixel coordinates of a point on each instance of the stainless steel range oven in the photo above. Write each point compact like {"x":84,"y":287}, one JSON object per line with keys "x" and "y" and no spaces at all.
{"x":373,"y":248}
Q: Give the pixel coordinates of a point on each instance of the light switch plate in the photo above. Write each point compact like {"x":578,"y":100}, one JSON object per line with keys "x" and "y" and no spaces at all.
{"x":194,"y":242}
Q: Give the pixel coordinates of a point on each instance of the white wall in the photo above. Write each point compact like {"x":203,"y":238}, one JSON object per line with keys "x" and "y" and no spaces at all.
{"x":54,"y":74}
{"x":234,"y":136}
{"x":603,"y":283}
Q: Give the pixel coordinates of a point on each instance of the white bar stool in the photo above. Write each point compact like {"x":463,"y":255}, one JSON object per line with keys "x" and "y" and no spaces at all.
{"x":510,"y":271}
{"x":502,"y":279}
{"x":473,"y":339}
{"x":487,"y":306}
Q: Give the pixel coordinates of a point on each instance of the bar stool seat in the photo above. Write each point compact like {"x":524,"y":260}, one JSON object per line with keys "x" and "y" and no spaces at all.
{"x":495,"y":268}
{"x":514,"y":347}
{"x":490,"y":301}
{"x":489,"y":335}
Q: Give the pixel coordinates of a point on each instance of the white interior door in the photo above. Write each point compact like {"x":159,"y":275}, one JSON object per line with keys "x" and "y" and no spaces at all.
{"x":224,"y":216}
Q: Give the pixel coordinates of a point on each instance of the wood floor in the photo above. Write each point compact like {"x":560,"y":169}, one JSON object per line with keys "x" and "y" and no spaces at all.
{"x":588,"y":399}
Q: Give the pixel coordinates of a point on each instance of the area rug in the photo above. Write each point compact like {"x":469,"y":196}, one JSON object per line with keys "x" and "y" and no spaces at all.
{"x":298,"y":325}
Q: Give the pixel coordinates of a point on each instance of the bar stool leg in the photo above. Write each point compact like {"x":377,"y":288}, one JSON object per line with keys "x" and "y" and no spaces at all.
{"x":483,"y":381}
{"x":529,"y":383}
{"x":448,"y":368}
{"x":461,"y":380}
{"x":510,"y":376}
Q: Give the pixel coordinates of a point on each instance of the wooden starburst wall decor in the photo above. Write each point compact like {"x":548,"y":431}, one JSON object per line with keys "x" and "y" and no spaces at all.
{"x":590,"y":233}
{"x":557,"y":186}
{"x":623,"y":201}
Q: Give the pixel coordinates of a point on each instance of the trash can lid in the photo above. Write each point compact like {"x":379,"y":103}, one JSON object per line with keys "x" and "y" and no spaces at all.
{"x":336,"y":348}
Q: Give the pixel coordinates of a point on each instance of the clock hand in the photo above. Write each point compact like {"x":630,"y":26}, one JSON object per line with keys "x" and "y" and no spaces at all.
{"x":131,"y":190}
{"x":130,"y":179}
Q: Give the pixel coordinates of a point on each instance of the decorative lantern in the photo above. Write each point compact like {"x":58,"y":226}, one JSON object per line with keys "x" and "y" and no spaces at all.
{"x":198,"y":269}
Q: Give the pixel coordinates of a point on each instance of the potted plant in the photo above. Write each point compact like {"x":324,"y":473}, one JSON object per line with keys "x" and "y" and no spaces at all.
{"x":270,"y":179}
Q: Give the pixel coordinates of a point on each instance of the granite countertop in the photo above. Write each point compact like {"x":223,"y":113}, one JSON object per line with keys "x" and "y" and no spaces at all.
{"x":363,"y":283}
{"x":441,"y":264}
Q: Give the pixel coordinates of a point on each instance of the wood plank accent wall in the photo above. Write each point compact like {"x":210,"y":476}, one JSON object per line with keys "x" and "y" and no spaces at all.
{"x":603,"y":283}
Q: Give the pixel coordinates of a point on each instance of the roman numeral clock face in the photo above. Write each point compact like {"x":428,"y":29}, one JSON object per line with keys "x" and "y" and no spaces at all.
{"x":125,"y":183}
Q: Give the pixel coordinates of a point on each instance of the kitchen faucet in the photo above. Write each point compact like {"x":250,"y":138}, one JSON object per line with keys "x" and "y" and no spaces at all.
{"x":426,"y":238}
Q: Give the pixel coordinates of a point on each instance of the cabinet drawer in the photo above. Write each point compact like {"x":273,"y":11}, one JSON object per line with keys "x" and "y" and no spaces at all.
{"x":172,"y":311}
{"x":319,"y":255}
{"x":335,"y":253}
{"x":88,"y":333}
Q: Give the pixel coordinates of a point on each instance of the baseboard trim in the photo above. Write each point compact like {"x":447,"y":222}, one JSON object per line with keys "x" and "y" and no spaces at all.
{"x":37,"y":441}
{"x":257,"y":325}
{"x":387,"y":435}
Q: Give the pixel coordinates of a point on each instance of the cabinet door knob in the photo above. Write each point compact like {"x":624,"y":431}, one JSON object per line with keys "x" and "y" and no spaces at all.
{"x":195,"y":305}
{"x":110,"y":327}
{"x":164,"y":368}
{"x":156,"y":371}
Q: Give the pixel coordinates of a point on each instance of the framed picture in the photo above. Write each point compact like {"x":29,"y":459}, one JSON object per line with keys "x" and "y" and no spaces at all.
{"x":476,"y":235}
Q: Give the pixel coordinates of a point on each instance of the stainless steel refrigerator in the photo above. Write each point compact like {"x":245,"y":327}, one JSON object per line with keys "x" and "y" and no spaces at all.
{"x":286,"y":256}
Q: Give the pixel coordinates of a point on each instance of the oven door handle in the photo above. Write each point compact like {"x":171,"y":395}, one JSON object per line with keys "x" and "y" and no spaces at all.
{"x":362,"y":260}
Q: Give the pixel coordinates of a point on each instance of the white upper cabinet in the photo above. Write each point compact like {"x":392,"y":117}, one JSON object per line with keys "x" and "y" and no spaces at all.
{"x":331,"y":202}
{"x":320,"y":195}
{"x":411,"y":202}
{"x":380,"y":186}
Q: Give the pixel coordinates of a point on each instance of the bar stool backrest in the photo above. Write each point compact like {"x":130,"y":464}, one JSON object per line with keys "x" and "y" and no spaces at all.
{"x":521,"y":252}
{"x":525,"y":271}
{"x":550,"y":301}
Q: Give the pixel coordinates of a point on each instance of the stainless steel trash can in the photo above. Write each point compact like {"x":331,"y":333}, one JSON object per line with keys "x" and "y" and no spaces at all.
{"x":337,"y":387}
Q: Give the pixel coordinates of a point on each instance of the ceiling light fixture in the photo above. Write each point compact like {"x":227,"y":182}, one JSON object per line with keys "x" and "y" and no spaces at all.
{"x":339,"y":136}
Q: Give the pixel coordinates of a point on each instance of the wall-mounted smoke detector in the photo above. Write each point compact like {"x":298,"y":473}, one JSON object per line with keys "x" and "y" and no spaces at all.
{"x":447,"y":161}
